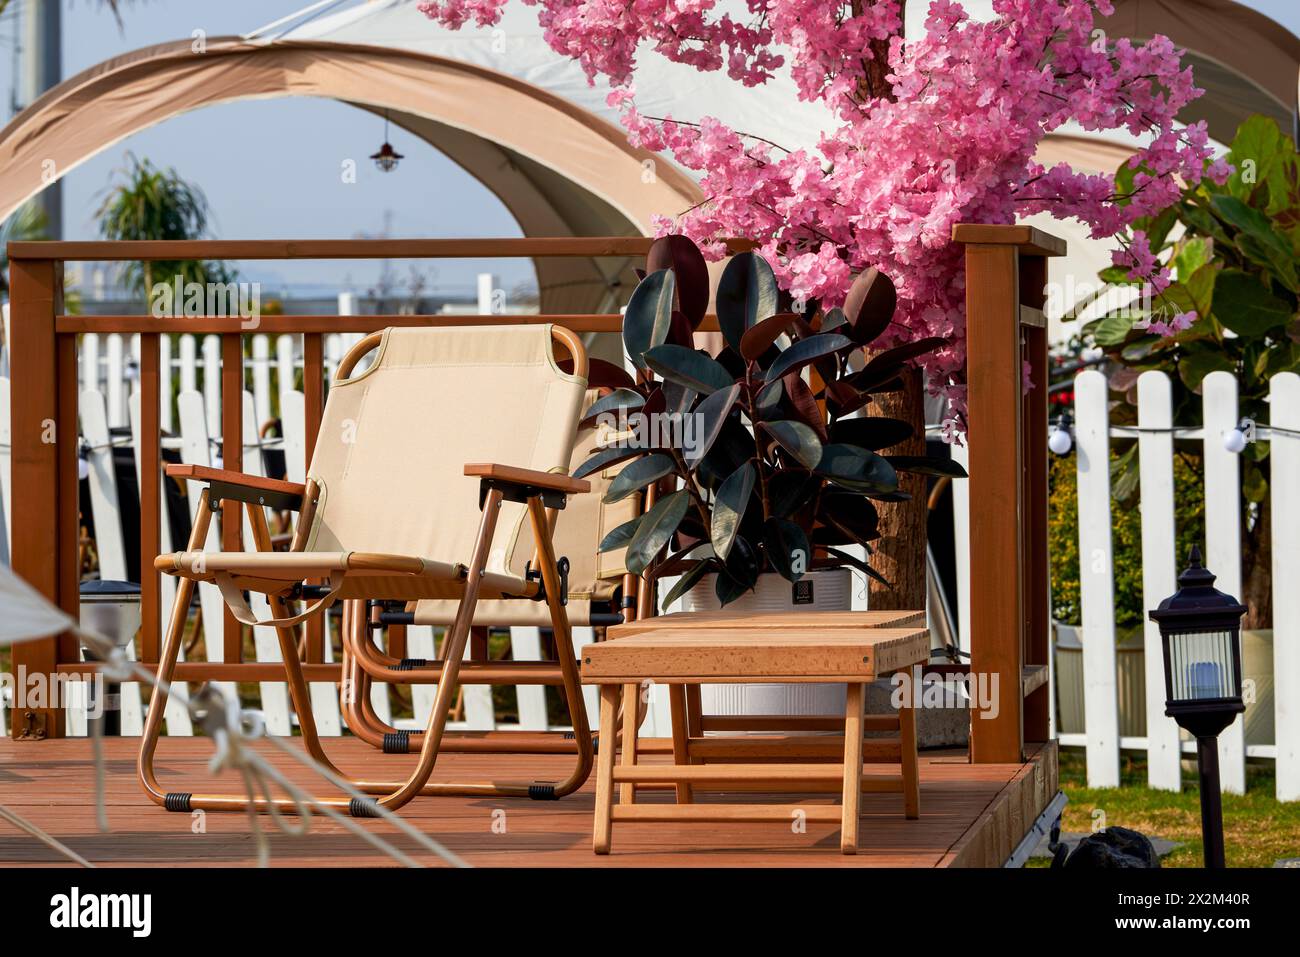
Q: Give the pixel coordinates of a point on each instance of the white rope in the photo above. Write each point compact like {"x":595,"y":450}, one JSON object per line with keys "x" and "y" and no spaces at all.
{"x":25,"y":825}
{"x":381,"y":812}
{"x":230,"y":728}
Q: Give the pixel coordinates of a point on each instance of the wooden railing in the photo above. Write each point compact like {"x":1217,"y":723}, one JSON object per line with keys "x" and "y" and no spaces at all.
{"x":44,"y":416}
{"x":1005,"y":278}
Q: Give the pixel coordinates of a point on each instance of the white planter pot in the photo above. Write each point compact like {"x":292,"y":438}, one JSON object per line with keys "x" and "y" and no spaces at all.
{"x":831,"y":590}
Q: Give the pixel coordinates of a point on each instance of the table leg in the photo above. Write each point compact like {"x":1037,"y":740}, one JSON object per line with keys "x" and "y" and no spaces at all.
{"x":681,"y":750}
{"x":631,"y":700}
{"x":907,"y":741}
{"x":605,"y":770}
{"x":852,"y":798}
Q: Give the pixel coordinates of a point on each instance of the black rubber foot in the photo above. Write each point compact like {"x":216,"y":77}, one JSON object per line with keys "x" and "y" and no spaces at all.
{"x":542,"y":792}
{"x":363,"y":808}
{"x":397,"y":742}
{"x":177,"y":802}
{"x":406,"y":664}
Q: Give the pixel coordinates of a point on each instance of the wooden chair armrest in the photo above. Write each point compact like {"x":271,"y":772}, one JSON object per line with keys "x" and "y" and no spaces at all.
{"x":239,"y":486}
{"x":529,"y":478}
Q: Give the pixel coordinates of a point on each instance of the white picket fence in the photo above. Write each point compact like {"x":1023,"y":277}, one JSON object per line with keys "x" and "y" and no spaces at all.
{"x":108,"y":372}
{"x":1155,"y":437}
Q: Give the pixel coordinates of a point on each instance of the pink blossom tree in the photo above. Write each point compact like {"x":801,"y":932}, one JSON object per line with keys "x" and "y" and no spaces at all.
{"x":940,"y":129}
{"x":937,"y":130}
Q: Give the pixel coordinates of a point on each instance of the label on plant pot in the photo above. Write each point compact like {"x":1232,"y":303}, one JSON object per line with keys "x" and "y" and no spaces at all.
{"x":801,"y":592}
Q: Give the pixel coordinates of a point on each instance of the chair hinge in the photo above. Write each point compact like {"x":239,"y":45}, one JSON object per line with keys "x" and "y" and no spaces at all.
{"x":535,"y":575}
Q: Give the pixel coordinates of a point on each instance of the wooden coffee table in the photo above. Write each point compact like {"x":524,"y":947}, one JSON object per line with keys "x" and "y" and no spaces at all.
{"x":685,"y":651}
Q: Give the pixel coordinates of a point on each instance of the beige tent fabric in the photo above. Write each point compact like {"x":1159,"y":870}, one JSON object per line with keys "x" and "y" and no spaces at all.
{"x":1245,"y":61}
{"x":109,"y":102}
{"x":579,"y":529}
{"x":395,"y":438}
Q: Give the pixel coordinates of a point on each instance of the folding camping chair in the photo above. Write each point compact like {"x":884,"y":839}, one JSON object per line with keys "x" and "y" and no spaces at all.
{"x":594,"y":581}
{"x":405,"y":502}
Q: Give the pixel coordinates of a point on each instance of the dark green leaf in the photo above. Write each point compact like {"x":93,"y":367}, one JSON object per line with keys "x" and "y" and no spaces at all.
{"x":605,"y":458}
{"x":747,"y":294}
{"x":740,"y":572}
{"x":729,"y":507}
{"x":768,"y":399}
{"x":797,"y":439}
{"x":852,"y":515}
{"x":787,"y":548}
{"x":833,"y":320}
{"x":687,"y":367}
{"x":857,"y":469}
{"x":927,"y":465}
{"x":859,"y":564}
{"x":656,"y":528}
{"x":620,"y":536}
{"x":690,"y":578}
{"x":790,"y":490}
{"x":614,"y":402}
{"x":638,"y":475}
{"x":1246,"y":306}
{"x":710,"y":416}
{"x":649,"y":315}
{"x":1194,"y":367}
{"x":733,"y":446}
{"x":871,"y":433}
{"x":807,"y":351}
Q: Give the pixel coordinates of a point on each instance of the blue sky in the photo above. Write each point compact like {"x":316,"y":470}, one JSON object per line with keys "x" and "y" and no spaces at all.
{"x":271,"y":168}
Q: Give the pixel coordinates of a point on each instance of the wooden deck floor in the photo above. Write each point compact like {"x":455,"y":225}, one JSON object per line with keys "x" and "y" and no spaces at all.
{"x":970,"y":816}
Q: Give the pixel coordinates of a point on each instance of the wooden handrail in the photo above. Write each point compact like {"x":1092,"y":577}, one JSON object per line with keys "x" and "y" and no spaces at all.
{"x":505,"y":248}
{"x":220,"y":325}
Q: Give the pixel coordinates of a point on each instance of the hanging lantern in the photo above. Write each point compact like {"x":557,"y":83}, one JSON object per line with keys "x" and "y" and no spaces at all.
{"x":387,"y":158}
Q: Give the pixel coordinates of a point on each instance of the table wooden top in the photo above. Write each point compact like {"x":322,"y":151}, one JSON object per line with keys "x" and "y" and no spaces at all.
{"x":702,"y":651}
{"x":768,"y":620}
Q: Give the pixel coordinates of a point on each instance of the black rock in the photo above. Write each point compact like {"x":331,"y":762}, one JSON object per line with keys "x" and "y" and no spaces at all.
{"x":1113,"y":847}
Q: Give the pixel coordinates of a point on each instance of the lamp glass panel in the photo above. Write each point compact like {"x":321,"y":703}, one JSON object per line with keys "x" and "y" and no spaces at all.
{"x":1201,"y":665}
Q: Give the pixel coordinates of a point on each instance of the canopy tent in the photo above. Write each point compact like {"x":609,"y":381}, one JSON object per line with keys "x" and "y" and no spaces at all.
{"x":525,"y":122}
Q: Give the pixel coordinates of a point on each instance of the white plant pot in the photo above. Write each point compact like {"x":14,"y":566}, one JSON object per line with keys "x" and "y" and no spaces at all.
{"x":831,"y":590}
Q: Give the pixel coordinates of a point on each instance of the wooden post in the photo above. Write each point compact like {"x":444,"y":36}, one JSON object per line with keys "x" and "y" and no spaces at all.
{"x":42,"y":439}
{"x":313,"y":397}
{"x":1005,"y":327}
{"x":232,"y":458}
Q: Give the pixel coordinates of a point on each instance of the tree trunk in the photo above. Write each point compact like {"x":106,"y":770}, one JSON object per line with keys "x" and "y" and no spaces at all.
{"x":899,"y":553}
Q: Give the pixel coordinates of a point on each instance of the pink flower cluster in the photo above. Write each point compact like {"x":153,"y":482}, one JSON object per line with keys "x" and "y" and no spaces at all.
{"x":953,"y":141}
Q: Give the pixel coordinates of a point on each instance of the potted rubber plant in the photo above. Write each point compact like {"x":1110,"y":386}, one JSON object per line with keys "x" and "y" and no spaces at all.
{"x":764,"y":456}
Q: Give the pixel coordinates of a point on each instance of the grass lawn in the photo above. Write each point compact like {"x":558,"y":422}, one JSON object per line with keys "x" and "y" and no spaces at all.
{"x":1258,"y":829}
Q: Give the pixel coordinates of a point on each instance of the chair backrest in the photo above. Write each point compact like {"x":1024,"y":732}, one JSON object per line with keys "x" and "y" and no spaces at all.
{"x":394,"y":439}
{"x":579,"y":529}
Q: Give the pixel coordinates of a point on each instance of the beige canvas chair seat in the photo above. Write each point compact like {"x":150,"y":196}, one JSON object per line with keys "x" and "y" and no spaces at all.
{"x":363,"y":575}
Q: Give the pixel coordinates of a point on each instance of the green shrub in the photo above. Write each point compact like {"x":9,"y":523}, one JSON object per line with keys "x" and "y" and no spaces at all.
{"x":1126,"y":537}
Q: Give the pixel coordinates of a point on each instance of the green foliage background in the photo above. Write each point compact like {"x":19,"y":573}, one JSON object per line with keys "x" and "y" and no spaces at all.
{"x":1126,"y":537}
